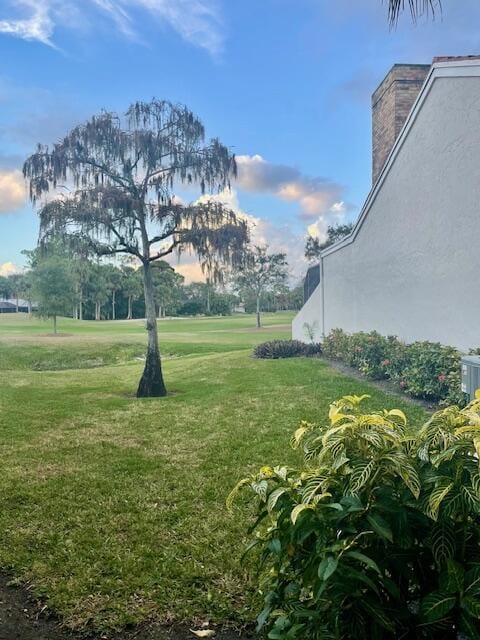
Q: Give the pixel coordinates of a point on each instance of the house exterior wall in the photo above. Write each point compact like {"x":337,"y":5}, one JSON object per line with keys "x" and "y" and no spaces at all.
{"x":310,"y":314}
{"x":411,"y":267}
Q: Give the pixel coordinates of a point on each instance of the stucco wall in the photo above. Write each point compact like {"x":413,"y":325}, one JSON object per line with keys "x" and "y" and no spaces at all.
{"x":310,"y":314}
{"x":413,"y":267}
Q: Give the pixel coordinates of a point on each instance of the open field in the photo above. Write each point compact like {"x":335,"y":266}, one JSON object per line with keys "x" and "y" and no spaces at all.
{"x":114,"y":508}
{"x":88,"y":344}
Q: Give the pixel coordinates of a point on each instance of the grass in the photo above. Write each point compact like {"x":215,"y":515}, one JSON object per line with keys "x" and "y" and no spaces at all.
{"x":114,"y":508}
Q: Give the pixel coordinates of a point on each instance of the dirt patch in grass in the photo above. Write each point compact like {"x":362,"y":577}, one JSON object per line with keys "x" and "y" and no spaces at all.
{"x":23,"y":618}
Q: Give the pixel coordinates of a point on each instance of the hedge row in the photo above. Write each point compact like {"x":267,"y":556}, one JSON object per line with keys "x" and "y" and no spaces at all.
{"x":426,"y":370}
{"x":275,"y":349}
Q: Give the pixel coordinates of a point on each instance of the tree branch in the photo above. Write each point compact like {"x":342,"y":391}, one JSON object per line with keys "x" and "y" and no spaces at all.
{"x":166,"y":252}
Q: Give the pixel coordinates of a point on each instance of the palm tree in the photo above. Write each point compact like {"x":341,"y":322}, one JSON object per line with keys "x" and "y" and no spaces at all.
{"x":416,"y":7}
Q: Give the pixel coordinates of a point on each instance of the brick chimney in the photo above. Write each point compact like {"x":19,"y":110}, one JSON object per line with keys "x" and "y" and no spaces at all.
{"x":391,"y":104}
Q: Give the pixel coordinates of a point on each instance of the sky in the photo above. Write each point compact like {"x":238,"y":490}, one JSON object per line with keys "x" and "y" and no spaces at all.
{"x":286,"y":84}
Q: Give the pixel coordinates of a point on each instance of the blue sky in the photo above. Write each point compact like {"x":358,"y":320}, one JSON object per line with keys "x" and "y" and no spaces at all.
{"x":285,"y":83}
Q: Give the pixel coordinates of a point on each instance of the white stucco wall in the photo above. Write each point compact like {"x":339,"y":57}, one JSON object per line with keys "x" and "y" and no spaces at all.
{"x":412,"y":266}
{"x":309,"y":314}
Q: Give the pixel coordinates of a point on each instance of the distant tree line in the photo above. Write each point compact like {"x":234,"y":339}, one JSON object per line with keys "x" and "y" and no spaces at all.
{"x":63,"y":281}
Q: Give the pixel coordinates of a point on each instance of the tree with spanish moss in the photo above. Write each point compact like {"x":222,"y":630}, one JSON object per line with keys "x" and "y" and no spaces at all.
{"x":120,"y":173}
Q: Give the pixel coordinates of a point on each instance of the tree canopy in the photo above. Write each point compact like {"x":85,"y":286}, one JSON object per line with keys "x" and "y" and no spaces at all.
{"x":53,"y":287}
{"x":313,"y":246}
{"x":123,"y":171}
{"x":262,"y":272}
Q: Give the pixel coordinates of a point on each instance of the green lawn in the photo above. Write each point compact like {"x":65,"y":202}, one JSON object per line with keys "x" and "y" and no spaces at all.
{"x":114,"y":508}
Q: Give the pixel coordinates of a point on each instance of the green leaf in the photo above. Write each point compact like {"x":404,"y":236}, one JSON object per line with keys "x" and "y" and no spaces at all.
{"x":472,"y":581}
{"x":377,"y":613}
{"x":274,"y":545}
{"x":327,"y":567}
{"x":274,"y":496}
{"x":410,"y":477}
{"x":380,"y":526}
{"x":263,"y":617}
{"x":471,"y":498}
{"x":472,"y":606}
{"x":398,"y":414}
{"x":260,"y":488}
{"x":336,"y":506}
{"x":436,"y":498}
{"x":361,"y":475}
{"x":364,"y":559}
{"x":352,"y":504}
{"x":436,"y":605}
{"x":392,"y":588}
{"x":443,"y":542}
{"x":451,"y":579}
{"x":281,"y":472}
{"x":361,"y":577}
{"x":469,"y":627}
{"x":296,"y":511}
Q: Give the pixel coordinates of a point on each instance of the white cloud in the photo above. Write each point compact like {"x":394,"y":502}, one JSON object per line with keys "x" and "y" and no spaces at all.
{"x":8,"y":268}
{"x":279,"y":238}
{"x":338,"y":207}
{"x":315,"y":195}
{"x":37,"y":25}
{"x":12,"y":191}
{"x":335,"y":215}
{"x":196,"y":21}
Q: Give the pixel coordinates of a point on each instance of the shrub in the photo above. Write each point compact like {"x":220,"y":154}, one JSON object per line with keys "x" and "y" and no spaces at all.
{"x":378,"y":534}
{"x":191,"y":308}
{"x":429,"y":369}
{"x":220,"y":307}
{"x":426,"y":370}
{"x":285,"y":349}
{"x":336,"y":345}
{"x":370,"y":353}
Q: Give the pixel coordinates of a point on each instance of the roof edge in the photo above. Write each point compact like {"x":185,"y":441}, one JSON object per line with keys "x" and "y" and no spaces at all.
{"x":447,"y":69}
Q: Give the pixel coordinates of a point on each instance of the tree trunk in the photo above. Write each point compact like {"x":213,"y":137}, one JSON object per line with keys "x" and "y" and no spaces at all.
{"x":113,"y":305}
{"x":151,"y":383}
{"x":29,"y":307}
{"x":98,"y":310}
{"x":80,"y":309}
{"x":160,"y":314}
{"x":55,"y":325}
{"x":16,"y":304}
{"x":258,"y":312}
{"x":129,"y":314}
